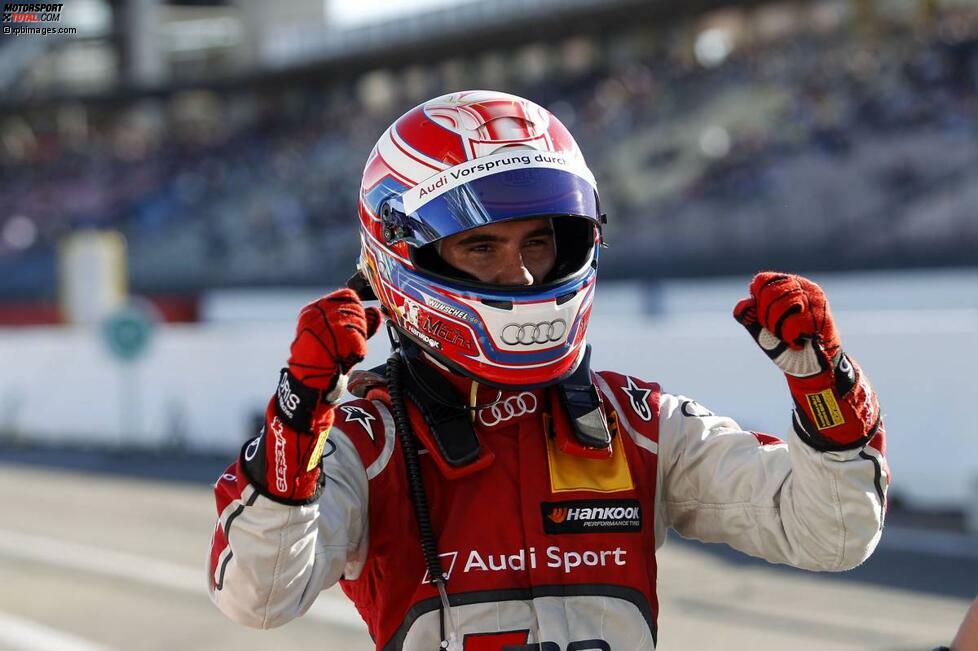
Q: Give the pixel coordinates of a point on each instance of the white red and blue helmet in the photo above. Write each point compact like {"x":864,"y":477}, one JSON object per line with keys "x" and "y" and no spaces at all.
{"x":456,"y":163}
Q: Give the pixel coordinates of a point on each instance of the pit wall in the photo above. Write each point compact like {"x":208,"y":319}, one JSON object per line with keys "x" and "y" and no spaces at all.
{"x":202,"y":386}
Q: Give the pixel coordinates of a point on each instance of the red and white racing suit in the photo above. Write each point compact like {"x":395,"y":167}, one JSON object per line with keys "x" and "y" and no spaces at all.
{"x":542,"y":547}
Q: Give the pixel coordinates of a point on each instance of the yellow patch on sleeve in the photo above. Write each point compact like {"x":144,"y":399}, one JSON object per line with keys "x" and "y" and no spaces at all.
{"x":825,"y":409}
{"x":572,"y":473}
{"x":317,"y":452}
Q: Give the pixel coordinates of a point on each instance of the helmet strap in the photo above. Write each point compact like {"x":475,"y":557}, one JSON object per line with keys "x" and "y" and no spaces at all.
{"x":582,"y":404}
{"x":444,"y":411}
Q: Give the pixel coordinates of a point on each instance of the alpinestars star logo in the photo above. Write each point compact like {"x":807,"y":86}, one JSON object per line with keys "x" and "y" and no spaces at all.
{"x":359,"y":415}
{"x":639,"y":398}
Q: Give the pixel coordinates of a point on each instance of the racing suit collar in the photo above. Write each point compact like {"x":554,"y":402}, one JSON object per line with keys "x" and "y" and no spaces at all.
{"x":496,"y":407}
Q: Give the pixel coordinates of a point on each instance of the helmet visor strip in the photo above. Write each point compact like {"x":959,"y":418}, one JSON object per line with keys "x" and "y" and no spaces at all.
{"x":512,"y":194}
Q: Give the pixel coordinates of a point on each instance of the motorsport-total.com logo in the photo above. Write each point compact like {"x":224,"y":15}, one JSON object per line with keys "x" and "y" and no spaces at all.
{"x":31,"y":12}
{"x":33,"y":18}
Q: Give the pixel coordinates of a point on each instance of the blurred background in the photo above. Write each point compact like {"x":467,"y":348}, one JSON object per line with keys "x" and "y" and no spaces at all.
{"x":178,"y":178}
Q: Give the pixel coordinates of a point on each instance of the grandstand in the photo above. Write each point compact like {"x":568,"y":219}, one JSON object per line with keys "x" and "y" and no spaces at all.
{"x":810,"y":136}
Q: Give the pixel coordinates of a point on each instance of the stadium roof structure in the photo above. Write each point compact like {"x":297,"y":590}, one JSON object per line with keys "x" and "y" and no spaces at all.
{"x":472,"y":27}
{"x":460,"y":30}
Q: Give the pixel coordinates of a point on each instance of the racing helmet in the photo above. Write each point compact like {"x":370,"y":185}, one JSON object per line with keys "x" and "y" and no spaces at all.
{"x":456,"y":163}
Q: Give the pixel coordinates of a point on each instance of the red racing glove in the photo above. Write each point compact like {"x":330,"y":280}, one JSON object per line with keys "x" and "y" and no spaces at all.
{"x":789,"y":318}
{"x":283,"y":461}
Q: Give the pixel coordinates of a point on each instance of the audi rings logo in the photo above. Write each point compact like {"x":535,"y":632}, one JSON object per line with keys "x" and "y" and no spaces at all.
{"x":511,"y":407}
{"x":528,"y":334}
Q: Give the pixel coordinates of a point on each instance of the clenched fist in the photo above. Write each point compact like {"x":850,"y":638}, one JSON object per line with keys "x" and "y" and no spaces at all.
{"x":789,"y":318}
{"x":330,"y":338}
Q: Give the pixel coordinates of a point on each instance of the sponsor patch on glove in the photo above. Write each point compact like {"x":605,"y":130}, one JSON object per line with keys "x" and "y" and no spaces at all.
{"x":592,"y":516}
{"x":295,"y":402}
{"x":825,"y":409}
{"x":281,"y":465}
{"x":317,"y":452}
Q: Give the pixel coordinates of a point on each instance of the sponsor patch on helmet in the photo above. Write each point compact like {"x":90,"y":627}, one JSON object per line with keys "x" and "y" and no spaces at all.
{"x":478,"y":168}
{"x":435,"y":329}
{"x":528,"y":334}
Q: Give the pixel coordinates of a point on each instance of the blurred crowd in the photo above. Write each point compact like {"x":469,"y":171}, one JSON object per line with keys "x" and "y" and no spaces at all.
{"x":848,"y":148}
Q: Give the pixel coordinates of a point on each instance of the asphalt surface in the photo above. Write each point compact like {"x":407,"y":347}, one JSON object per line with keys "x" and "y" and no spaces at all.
{"x":101,"y":553}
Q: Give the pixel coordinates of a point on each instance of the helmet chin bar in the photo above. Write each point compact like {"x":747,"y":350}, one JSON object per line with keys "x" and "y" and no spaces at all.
{"x":410,"y":343}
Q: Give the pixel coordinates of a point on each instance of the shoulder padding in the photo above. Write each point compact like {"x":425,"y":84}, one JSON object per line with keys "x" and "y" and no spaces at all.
{"x":368,"y":425}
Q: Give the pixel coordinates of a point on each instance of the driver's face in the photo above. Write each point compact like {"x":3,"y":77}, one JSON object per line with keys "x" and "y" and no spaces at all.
{"x":508,"y":253}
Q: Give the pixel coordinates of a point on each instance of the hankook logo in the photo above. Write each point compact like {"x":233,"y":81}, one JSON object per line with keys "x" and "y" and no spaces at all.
{"x":592,"y":516}
{"x":529,"y":334}
{"x":557,"y":514}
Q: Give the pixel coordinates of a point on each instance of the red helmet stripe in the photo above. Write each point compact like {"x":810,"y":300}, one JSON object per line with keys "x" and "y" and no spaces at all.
{"x":413,"y":153}
{"x":438,"y":142}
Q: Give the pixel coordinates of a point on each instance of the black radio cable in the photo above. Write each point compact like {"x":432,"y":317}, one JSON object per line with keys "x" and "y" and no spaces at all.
{"x":419,"y":498}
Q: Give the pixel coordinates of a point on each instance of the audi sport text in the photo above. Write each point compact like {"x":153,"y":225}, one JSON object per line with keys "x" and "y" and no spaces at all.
{"x":553,"y":557}
{"x":529,"y":559}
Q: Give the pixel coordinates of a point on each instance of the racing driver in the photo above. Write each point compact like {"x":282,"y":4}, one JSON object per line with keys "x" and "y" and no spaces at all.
{"x":488,"y":490}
